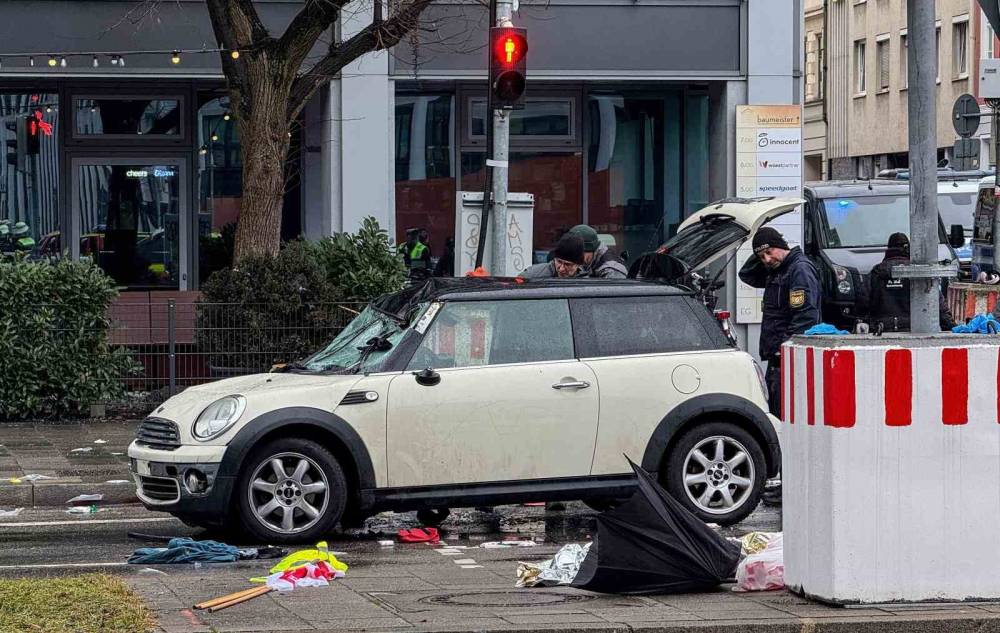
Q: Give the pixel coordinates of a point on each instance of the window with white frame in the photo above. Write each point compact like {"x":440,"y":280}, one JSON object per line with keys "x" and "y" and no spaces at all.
{"x":859,"y":67}
{"x":959,"y":48}
{"x":882,"y":62}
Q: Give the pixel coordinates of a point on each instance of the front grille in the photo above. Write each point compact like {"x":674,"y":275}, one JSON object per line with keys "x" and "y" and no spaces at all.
{"x":359,"y":397}
{"x":159,"y":488}
{"x":159,"y":434}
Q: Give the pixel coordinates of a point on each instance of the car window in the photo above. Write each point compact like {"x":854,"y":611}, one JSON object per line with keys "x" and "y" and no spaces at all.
{"x":623,"y":326}
{"x":477,"y":333}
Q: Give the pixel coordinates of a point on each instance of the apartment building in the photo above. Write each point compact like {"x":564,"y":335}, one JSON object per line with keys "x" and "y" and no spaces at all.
{"x":865,"y":81}
{"x":814,"y":159}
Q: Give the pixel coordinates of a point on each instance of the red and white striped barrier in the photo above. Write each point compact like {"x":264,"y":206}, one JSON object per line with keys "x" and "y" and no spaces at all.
{"x":891,"y":468}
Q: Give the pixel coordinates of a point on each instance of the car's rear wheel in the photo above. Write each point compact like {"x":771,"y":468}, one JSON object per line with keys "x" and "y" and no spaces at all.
{"x":717,"y":470}
{"x":292,"y":490}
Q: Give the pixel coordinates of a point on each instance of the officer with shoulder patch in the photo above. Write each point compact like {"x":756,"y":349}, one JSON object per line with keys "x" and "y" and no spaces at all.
{"x":792,"y":300}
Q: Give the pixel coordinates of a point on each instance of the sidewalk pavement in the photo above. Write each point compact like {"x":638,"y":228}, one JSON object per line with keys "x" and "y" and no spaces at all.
{"x":415,"y":588}
{"x":54,"y":450}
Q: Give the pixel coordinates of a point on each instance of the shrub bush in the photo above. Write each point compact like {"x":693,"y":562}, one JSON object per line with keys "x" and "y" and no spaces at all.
{"x":363,"y":264}
{"x":55,"y":355}
{"x":267,"y":310}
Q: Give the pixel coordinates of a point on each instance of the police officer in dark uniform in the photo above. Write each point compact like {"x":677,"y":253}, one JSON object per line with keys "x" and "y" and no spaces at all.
{"x":792,"y":300}
{"x":889,"y":298}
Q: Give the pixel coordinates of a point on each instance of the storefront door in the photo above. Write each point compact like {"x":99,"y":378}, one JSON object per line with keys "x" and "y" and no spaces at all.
{"x":130,"y":217}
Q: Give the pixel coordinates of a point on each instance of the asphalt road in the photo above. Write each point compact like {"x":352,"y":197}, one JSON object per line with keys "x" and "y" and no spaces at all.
{"x":50,"y":541}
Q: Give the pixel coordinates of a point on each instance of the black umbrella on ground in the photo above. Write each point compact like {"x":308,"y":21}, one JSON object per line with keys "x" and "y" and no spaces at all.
{"x":653,"y":544}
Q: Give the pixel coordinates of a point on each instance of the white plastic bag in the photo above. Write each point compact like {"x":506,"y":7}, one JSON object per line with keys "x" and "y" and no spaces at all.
{"x":763,"y":571}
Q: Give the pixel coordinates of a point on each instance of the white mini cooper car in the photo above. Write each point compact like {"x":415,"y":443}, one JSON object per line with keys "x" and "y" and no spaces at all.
{"x":468,"y":392}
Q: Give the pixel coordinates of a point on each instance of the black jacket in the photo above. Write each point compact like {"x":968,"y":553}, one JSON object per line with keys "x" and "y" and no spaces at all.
{"x":889,"y":298}
{"x":792,"y":299}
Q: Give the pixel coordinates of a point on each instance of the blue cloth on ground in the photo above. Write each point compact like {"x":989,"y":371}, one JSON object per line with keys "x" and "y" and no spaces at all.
{"x":980,"y":324}
{"x":824,"y":328}
{"x":185,"y":550}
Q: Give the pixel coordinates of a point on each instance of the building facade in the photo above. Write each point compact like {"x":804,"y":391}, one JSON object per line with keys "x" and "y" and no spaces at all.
{"x":814,"y":158}
{"x":629,"y":125}
{"x":866,"y":80}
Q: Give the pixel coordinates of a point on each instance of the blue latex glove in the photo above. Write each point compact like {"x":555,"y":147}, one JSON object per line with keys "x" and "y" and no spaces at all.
{"x":824,"y":328}
{"x":980,"y":324}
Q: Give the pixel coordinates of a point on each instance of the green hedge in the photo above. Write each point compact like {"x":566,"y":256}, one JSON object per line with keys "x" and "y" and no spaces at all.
{"x":55,"y":356}
{"x":269,"y":310}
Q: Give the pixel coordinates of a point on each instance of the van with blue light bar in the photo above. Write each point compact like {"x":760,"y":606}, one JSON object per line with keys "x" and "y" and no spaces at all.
{"x":847,"y":224}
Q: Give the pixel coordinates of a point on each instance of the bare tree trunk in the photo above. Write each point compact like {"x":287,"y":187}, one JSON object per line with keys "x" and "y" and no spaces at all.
{"x":264,"y":129}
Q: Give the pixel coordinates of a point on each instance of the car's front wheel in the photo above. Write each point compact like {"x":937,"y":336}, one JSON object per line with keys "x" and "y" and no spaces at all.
{"x":717,"y":470}
{"x":291,"y":490}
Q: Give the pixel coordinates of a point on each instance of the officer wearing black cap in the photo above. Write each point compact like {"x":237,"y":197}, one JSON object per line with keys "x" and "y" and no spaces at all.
{"x":792,"y":300}
{"x":889,"y":298}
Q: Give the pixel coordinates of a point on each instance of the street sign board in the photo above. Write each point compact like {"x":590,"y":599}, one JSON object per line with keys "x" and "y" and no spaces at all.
{"x":965,"y":156}
{"x":965,"y":115}
{"x":768,"y":163}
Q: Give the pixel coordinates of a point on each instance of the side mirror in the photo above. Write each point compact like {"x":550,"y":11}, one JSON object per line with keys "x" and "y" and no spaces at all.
{"x":427,"y":377}
{"x":956,"y":236}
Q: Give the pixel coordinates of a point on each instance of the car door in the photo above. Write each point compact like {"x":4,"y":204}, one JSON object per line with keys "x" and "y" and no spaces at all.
{"x":649,"y":354}
{"x":510,"y":401}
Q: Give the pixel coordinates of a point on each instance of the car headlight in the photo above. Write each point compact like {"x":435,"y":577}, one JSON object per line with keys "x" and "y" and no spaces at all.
{"x":218,"y":416}
{"x":844,"y":284}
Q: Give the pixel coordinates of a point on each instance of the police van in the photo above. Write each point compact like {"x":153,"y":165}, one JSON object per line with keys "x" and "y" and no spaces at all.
{"x":846,"y":225}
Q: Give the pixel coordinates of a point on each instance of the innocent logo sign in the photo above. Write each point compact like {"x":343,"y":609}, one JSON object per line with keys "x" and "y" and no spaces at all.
{"x":762,"y":140}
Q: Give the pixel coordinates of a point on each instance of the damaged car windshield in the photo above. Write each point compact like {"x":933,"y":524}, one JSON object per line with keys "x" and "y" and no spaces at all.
{"x":361,"y":346}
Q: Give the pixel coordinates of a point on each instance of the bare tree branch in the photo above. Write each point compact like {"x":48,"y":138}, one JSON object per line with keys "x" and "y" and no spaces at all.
{"x":374,"y":37}
{"x":306,"y":28}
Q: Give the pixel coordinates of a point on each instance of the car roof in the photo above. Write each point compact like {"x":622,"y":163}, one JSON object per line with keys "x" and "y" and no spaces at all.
{"x":505,"y":288}
{"x":858,"y":188}
{"x":882,"y":187}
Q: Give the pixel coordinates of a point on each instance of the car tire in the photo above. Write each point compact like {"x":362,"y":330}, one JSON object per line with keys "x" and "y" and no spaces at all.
{"x":694,"y":474}
{"x":313,"y":491}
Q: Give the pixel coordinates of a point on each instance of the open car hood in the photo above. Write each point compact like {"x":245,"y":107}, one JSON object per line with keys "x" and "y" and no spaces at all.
{"x":709,"y":234}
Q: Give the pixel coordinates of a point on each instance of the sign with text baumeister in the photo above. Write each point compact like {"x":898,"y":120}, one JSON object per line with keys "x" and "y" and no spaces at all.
{"x":768,"y":164}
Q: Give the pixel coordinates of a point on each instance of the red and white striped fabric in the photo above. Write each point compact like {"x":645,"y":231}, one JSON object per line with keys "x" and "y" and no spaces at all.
{"x":894,"y":386}
{"x":968,"y":300}
{"x":891,"y":468}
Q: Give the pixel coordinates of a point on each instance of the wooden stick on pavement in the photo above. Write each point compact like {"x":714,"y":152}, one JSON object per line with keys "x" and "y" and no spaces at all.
{"x":226,"y":598}
{"x":260,"y":591}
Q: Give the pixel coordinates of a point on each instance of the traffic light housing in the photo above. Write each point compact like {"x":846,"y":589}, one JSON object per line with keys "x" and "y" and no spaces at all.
{"x":508,"y":66}
{"x":16,"y":146}
{"x":32,"y":136}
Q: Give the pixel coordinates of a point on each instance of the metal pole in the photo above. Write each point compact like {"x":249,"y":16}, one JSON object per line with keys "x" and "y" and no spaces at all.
{"x":501,"y":153}
{"x":171,"y":342}
{"x":484,"y":216}
{"x":922,"y":114}
{"x":996,"y":168}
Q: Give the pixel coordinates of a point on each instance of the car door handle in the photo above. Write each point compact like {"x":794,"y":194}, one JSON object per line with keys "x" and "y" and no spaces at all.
{"x":572,"y":384}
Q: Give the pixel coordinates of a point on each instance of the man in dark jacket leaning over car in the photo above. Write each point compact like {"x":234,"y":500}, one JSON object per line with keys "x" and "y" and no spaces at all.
{"x":889,"y":298}
{"x":792,"y":300}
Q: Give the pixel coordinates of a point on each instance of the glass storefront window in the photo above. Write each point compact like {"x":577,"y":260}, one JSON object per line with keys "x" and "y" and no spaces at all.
{"x":129,"y":217}
{"x":109,"y":116}
{"x":625,"y":171}
{"x":425,"y":171}
{"x":553,"y":178}
{"x":29,"y":175}
{"x":220,"y":185}
{"x":540,"y":118}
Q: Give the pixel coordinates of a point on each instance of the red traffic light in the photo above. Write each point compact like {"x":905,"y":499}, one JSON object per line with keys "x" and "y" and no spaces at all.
{"x":508,"y":65}
{"x":510,"y":45}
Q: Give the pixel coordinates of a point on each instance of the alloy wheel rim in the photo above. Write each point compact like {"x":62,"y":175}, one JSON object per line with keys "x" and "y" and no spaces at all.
{"x":288,"y":493}
{"x":718,"y":474}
